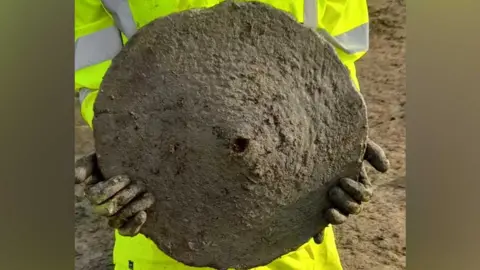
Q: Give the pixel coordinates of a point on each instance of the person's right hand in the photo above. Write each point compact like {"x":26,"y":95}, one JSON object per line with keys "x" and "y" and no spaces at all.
{"x":121,"y":201}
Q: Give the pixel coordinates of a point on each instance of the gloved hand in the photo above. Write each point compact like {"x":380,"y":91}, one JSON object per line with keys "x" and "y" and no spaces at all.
{"x":347,"y":196}
{"x":121,"y":201}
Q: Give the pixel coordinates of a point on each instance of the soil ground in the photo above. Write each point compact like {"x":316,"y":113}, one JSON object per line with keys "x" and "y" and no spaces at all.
{"x":373,"y":240}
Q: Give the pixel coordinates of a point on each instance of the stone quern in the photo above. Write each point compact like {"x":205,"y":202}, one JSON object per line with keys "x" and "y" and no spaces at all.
{"x":238,"y":119}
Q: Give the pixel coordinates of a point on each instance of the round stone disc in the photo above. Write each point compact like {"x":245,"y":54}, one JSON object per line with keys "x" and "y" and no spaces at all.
{"x":238,"y":119}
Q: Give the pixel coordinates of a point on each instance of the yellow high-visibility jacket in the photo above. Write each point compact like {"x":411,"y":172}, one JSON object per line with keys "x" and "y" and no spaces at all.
{"x":103,"y":26}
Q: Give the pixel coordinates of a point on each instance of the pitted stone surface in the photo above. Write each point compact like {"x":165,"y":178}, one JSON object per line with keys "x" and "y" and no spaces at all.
{"x":237,"y":119}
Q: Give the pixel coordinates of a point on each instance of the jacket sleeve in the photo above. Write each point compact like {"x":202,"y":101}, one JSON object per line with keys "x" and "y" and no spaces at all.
{"x":348,"y":22}
{"x":97,"y":41}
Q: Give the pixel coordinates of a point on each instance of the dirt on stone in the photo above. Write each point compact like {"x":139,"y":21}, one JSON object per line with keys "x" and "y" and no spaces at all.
{"x":238,"y":132}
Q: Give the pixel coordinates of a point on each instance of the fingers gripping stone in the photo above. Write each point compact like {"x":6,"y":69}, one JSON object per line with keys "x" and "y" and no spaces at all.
{"x":318,"y":238}
{"x":335,"y":217}
{"x":119,"y":200}
{"x":375,"y":155}
{"x":357,"y":190}
{"x":142,"y":203}
{"x":343,"y":202}
{"x":133,"y":225}
{"x":84,"y":167}
{"x":104,"y":190}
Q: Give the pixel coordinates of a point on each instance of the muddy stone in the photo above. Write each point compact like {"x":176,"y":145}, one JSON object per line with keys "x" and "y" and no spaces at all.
{"x":237,"y":119}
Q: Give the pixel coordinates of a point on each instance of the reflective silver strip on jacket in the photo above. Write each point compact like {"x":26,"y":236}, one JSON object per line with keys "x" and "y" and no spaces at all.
{"x":353,"y":41}
{"x":122,"y":15}
{"x":97,"y":47}
{"x":83,"y":93}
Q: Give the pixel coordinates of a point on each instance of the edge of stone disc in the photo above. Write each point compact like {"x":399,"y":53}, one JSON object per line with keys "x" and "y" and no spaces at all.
{"x":232,"y":3}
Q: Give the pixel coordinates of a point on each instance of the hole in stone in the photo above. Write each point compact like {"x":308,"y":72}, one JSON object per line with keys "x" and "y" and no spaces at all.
{"x":240,"y":144}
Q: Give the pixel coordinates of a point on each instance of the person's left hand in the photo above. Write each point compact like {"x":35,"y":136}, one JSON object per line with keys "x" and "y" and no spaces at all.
{"x":346,"y":197}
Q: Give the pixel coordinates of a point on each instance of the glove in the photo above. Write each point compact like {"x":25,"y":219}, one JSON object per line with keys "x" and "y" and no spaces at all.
{"x":121,"y":201}
{"x":347,"y":196}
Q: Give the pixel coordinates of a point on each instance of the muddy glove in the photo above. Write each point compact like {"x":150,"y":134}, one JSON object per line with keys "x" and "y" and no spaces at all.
{"x":347,"y":196}
{"x":121,"y":201}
